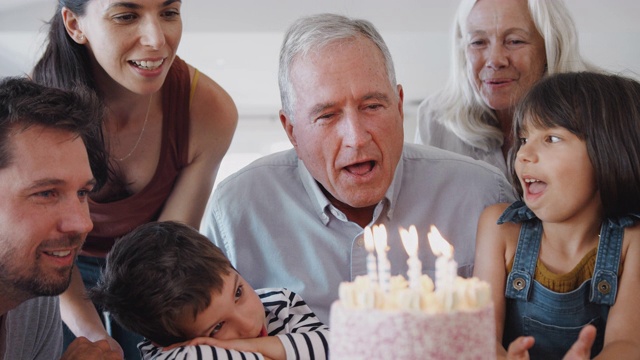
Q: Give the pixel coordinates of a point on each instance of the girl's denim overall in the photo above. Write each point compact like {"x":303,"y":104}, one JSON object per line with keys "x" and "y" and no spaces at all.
{"x":555,"y":319}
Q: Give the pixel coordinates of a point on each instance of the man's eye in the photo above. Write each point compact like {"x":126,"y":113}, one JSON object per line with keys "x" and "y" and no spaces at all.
{"x":46,"y":194}
{"x":553,"y":139}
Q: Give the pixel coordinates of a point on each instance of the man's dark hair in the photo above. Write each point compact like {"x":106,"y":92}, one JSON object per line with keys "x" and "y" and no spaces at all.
{"x":24,"y":104}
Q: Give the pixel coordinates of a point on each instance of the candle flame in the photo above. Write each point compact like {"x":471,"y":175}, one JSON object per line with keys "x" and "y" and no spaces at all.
{"x":438,"y":244}
{"x":380,"y":238}
{"x":410,"y":240}
{"x":368,"y":239}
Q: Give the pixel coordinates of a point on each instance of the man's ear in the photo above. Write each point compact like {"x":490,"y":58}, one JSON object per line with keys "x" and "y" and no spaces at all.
{"x":72,"y":25}
{"x":287,"y":124}
{"x":401,"y":101}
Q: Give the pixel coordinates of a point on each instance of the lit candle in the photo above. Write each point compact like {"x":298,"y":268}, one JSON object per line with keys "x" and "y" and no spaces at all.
{"x":384,"y":267}
{"x":372,"y":270}
{"x":446,"y":267}
{"x":410,"y":242}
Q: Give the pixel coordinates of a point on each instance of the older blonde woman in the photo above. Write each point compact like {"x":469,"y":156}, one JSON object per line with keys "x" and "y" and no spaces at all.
{"x":501,"y":48}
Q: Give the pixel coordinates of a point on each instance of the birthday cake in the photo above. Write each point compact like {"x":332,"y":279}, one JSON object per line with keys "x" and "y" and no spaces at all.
{"x":406,"y":323}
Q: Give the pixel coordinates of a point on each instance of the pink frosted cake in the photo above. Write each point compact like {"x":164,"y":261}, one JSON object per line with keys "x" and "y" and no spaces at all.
{"x":406,"y":324}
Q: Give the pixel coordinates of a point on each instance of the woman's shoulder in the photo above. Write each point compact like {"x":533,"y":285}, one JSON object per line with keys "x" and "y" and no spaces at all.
{"x":209,"y":99}
{"x":213,"y":115}
{"x":431,"y":127}
{"x":428,"y":110}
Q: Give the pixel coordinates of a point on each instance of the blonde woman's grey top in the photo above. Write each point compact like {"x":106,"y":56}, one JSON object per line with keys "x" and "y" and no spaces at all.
{"x":432,"y":131}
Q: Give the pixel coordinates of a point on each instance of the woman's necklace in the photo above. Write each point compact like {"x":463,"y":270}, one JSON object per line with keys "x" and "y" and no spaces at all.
{"x":144,"y":125}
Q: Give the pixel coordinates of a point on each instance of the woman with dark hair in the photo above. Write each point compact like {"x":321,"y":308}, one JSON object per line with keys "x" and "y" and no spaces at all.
{"x":166,"y":126}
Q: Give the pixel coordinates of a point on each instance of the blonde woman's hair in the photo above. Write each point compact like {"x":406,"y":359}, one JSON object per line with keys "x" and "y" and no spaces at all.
{"x":459,"y":106}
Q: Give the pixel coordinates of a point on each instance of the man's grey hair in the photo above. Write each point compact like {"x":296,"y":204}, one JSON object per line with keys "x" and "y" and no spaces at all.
{"x":315,"y":32}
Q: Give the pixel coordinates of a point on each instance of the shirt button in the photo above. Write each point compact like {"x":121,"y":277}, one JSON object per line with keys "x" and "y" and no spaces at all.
{"x":519,"y":283}
{"x":360,"y":242}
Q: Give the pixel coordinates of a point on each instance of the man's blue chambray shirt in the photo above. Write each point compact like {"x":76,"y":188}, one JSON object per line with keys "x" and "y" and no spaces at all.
{"x":278,"y":229}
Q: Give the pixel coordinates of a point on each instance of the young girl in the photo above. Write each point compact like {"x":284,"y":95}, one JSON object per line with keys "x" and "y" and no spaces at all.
{"x":571,"y":247}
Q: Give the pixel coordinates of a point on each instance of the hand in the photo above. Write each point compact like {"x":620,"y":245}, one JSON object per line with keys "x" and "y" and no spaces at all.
{"x":581,"y":349}
{"x":519,"y":348}
{"x":113,"y":344}
{"x":82,"y":348}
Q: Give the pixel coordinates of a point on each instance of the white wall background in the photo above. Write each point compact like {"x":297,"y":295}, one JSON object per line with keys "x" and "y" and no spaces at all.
{"x":237,"y":44}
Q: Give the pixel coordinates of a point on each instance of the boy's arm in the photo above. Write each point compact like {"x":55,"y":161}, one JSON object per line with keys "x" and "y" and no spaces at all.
{"x":295,"y":332}
{"x":199,"y":352}
{"x":302,"y":334}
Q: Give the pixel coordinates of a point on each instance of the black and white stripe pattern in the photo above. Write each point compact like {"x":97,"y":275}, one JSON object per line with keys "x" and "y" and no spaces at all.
{"x":288,"y":317}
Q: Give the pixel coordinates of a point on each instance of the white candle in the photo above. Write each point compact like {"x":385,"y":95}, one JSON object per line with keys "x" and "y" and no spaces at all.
{"x":446,"y":266}
{"x":410,"y":242}
{"x":384,"y":267}
{"x":372,"y":270}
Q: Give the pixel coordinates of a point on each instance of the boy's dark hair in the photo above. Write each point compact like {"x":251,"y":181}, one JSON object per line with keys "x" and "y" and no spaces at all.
{"x":23,"y":104}
{"x":157,"y":273}
{"x":604,"y":111}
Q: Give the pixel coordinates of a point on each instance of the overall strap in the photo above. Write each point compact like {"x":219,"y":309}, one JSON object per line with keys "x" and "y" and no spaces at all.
{"x":604,"y":284}
{"x":520,"y":279}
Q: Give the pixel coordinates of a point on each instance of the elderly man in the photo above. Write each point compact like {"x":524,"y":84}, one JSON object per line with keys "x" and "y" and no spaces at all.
{"x":45,"y":179}
{"x":296,"y":218}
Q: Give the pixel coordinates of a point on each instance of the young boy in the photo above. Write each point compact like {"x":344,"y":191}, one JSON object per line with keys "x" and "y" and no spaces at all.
{"x":169,"y":283}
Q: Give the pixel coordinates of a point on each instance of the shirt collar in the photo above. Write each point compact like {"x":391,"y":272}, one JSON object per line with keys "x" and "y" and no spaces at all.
{"x":319,"y":201}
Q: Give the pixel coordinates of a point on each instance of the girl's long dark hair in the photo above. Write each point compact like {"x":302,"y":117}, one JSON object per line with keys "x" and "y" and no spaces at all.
{"x":604,"y":111}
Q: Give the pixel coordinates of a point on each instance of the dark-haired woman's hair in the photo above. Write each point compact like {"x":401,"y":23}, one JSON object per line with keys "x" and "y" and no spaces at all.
{"x":64,"y":63}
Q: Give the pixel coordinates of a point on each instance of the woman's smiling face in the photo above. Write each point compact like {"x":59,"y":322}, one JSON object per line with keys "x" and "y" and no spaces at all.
{"x":505,"y":53}
{"x":132,"y":43}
